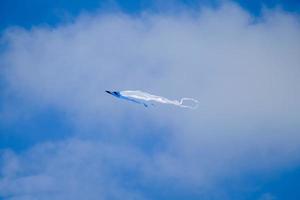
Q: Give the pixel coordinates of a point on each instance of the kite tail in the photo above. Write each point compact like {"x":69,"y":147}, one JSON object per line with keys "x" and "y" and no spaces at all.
{"x":194,"y":105}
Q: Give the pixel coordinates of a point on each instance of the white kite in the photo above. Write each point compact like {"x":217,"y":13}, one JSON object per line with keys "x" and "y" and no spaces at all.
{"x":143,"y":97}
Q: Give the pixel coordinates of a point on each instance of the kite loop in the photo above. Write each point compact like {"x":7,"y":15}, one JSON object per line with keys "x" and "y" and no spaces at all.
{"x":194,"y":102}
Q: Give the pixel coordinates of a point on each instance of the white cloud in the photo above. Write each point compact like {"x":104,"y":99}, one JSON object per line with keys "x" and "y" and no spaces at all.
{"x":245,"y":73}
{"x":73,"y":169}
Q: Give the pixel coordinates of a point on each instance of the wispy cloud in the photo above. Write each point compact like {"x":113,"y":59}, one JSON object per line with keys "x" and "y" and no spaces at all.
{"x":73,"y":169}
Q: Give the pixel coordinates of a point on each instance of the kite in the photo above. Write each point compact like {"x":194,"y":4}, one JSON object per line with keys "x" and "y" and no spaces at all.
{"x":143,"y":98}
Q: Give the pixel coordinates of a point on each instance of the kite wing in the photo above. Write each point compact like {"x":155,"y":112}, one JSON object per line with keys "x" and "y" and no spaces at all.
{"x":118,"y":95}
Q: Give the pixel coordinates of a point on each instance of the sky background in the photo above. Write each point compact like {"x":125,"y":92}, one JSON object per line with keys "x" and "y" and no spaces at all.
{"x":63,"y":137}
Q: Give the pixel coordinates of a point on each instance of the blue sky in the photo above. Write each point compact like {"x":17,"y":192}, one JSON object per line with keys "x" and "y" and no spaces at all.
{"x":30,"y":13}
{"x":62,"y":137}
